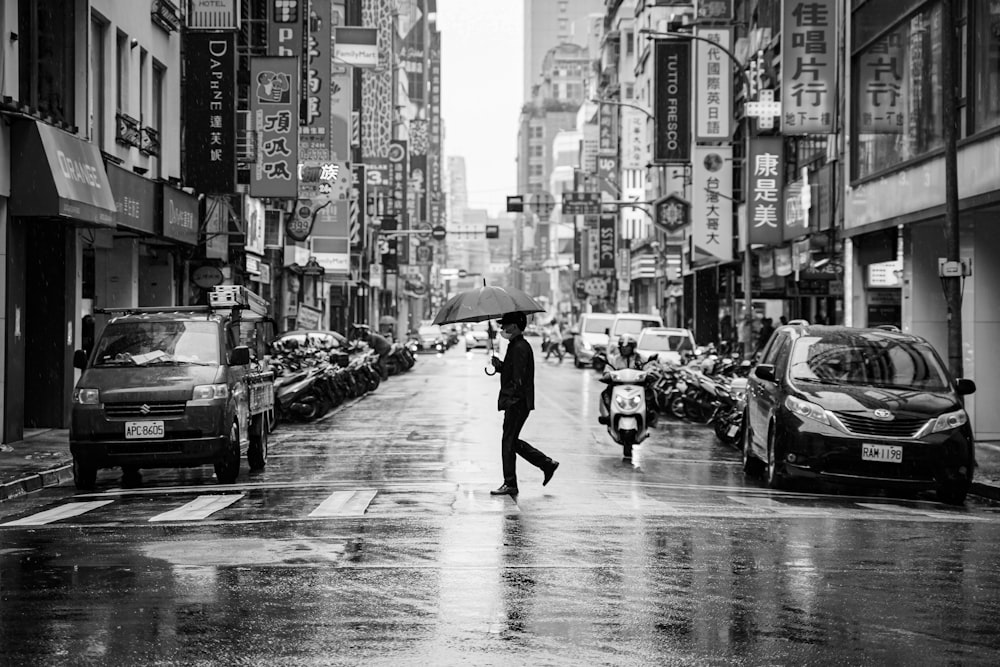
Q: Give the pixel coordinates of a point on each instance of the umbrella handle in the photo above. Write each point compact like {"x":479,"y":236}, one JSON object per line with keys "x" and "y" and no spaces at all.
{"x":489,"y":365}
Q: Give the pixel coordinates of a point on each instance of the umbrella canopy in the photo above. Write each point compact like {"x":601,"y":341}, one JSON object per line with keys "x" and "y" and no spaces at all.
{"x":486,"y":303}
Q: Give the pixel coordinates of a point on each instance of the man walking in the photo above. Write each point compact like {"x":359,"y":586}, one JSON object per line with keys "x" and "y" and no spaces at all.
{"x":517,"y":399}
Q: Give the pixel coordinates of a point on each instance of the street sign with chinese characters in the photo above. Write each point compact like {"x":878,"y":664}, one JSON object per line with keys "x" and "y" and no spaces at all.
{"x":581,"y":203}
{"x":765,"y":206}
{"x":274,"y":108}
{"x":808,"y":66}
{"x":714,"y":84}
{"x":712,"y":204}
{"x":881,"y":98}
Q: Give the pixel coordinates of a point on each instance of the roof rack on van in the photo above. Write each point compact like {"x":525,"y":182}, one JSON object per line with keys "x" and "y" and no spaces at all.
{"x":237,"y":297}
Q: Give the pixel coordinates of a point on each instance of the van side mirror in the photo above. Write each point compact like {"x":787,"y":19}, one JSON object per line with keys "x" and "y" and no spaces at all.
{"x":240,"y":356}
{"x":965,"y":387}
{"x":764,"y":372}
{"x":80,"y":359}
{"x":607,"y":331}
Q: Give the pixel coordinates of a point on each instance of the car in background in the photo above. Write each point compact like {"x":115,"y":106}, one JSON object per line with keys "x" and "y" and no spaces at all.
{"x":874,"y":407}
{"x":666,"y":342}
{"x":477,"y":335}
{"x":430,"y":338}
{"x":630,"y":323}
{"x":590,"y":336}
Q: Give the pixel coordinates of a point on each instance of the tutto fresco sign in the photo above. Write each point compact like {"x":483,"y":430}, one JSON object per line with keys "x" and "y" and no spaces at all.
{"x":672,"y":105}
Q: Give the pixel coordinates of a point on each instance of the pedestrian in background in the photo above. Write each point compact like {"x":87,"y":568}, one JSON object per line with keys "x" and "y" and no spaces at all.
{"x":517,"y":400}
{"x":766,"y":329}
{"x":378,"y":343}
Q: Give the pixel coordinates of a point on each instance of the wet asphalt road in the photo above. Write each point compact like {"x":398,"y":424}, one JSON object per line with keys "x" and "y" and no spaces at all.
{"x":371,"y":538}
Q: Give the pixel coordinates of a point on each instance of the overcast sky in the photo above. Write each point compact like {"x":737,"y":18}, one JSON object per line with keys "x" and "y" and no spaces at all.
{"x":482,"y":56}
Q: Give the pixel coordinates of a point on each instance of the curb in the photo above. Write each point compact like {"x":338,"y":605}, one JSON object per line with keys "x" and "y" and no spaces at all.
{"x":36,"y":482}
{"x":985,"y":490}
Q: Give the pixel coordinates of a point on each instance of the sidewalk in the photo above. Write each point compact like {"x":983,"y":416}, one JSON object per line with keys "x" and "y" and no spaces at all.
{"x":43,"y":459}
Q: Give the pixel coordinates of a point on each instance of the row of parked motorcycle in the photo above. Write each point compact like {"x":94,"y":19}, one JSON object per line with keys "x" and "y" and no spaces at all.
{"x":310,"y":379}
{"x":705,"y":389}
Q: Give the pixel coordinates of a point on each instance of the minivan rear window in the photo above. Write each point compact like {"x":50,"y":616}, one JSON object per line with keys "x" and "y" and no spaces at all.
{"x":158,"y":343}
{"x":633,"y":326}
{"x":596,"y":324}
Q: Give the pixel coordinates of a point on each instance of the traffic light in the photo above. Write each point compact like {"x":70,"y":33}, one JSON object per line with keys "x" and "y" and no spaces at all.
{"x":515,"y":204}
{"x":492,"y":231}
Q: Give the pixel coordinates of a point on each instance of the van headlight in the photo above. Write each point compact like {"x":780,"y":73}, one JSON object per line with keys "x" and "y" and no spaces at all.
{"x":806,"y":410}
{"x":206,"y":392}
{"x":85,"y":396}
{"x":950,"y":420}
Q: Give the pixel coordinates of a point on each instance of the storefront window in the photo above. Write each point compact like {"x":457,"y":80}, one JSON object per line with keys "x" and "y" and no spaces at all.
{"x":987,"y":68}
{"x":897,"y":100}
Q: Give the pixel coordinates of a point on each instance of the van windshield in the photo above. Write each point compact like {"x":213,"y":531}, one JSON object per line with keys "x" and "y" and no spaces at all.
{"x":158,"y":343}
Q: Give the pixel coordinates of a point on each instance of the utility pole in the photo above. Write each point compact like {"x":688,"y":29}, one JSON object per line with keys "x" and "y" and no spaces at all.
{"x":951,"y":283}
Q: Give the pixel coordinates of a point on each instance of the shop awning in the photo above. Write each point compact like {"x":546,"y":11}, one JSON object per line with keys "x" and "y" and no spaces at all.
{"x":55,"y":174}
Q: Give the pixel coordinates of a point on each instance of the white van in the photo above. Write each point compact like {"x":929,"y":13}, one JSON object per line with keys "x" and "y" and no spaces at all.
{"x":630,"y":323}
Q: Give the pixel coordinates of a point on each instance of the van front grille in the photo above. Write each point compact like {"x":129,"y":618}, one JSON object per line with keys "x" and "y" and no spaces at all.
{"x":149,"y":410}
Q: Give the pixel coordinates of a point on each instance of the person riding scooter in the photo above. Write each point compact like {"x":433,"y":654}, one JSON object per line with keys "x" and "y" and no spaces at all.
{"x":625,"y":358}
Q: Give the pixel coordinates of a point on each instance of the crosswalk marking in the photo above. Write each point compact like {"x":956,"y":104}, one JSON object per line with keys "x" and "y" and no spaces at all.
{"x":200,"y":508}
{"x":345,"y":503}
{"x":58,"y":513}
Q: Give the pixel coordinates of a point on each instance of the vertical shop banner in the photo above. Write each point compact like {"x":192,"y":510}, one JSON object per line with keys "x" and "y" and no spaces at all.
{"x":435,"y":209}
{"x":275,"y":117}
{"x":808,"y":66}
{"x":210,"y":111}
{"x":284,"y":27}
{"x":607,"y":235}
{"x":712,"y":204}
{"x":672,"y":110}
{"x":798,"y":203}
{"x":714,"y":83}
{"x":607,"y":171}
{"x":765,"y":208}
{"x":314,"y":133}
{"x":359,"y":201}
{"x":398,"y":179}
{"x":388,"y":247}
{"x":608,"y":128}
{"x":881,"y":95}
{"x":635,"y":147}
{"x":341,"y":98}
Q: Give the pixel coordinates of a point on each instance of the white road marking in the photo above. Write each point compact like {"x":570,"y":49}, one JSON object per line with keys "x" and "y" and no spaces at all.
{"x":345,"y":503}
{"x":58,"y":513}
{"x":899,"y":509}
{"x":200,"y":508}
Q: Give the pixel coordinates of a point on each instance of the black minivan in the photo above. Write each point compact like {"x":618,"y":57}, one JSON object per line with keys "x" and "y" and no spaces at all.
{"x":858,"y":406}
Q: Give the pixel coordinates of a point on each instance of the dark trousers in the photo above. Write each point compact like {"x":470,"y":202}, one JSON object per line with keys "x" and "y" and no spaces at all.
{"x":511,"y":445}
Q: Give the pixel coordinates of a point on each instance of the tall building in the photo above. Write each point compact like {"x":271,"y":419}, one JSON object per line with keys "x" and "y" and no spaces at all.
{"x":548,"y":23}
{"x":458,"y":191}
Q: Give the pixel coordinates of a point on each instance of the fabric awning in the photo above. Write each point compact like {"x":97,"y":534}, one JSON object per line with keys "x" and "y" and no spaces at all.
{"x":55,"y":174}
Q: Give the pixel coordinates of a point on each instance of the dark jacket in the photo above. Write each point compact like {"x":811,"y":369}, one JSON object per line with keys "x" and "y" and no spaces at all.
{"x":379,"y":344}
{"x":517,"y":375}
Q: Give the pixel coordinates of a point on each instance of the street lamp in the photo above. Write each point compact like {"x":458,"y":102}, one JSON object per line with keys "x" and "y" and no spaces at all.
{"x":748,"y":112}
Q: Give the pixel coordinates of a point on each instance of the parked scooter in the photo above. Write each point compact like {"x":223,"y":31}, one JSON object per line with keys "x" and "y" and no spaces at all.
{"x":626,"y":414}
